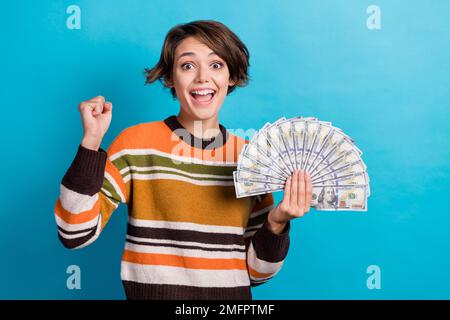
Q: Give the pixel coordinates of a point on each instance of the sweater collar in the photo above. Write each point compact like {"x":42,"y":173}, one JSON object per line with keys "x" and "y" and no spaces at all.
{"x":212,"y":143}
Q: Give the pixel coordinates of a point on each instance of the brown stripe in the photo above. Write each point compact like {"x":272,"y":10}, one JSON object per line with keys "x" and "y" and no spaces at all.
{"x":157,"y":244}
{"x":257,"y":220}
{"x":144,"y":291}
{"x":73,"y":243}
{"x":184,"y":235}
{"x":76,"y":232}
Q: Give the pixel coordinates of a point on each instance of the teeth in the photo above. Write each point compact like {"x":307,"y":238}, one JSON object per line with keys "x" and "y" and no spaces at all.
{"x":202,"y":92}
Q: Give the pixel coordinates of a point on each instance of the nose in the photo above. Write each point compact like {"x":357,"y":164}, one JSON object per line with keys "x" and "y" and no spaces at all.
{"x":202,"y":74}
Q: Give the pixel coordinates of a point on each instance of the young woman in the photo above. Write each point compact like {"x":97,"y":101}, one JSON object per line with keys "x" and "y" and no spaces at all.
{"x":188,"y":236}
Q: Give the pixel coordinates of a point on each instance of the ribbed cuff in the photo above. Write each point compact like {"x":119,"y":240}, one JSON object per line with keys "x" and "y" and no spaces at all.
{"x":269,"y":246}
{"x":155,"y":291}
{"x":85,"y":174}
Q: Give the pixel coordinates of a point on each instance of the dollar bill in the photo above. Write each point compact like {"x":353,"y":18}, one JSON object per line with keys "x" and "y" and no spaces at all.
{"x":273,"y":136}
{"x":257,"y":177}
{"x":265,"y":157}
{"x":267,"y":148}
{"x":329,"y":198}
{"x":245,"y":188}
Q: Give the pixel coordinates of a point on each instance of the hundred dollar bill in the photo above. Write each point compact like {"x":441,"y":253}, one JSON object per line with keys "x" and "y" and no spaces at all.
{"x":299,"y":127}
{"x":287,"y":136}
{"x":273,"y":136}
{"x":263,"y":156}
{"x":337,"y":147}
{"x":257,"y":177}
{"x":248,"y":188}
{"x":267,"y":148}
{"x":253,"y":165}
{"x":340,"y":198}
{"x":348,"y":162}
{"x":321,"y":134}
{"x":349,"y":179}
{"x":311,"y":129}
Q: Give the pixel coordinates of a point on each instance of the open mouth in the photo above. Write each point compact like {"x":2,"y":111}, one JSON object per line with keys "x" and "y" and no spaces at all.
{"x":203,"y":96}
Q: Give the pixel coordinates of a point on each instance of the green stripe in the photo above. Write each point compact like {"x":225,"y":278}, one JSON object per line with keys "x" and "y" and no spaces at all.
{"x":229,"y":178}
{"x":109,"y":187}
{"x":157,"y":160}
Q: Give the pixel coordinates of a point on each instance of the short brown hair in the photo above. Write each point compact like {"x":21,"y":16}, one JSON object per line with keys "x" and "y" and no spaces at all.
{"x":216,"y":36}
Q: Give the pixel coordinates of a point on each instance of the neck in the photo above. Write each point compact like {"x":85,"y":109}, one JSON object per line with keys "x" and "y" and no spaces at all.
{"x":203,"y":129}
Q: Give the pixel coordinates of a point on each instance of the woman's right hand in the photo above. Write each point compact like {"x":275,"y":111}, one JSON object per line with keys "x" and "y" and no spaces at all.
{"x":96,"y":117}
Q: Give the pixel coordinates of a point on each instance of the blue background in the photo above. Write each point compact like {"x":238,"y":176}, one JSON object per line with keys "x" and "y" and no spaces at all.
{"x":388,"y":89}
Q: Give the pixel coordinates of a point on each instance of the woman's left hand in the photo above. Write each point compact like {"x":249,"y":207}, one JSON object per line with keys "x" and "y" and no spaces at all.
{"x":295,"y":203}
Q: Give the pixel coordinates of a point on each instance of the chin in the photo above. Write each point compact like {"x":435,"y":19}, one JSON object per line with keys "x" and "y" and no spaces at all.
{"x":203,"y":112}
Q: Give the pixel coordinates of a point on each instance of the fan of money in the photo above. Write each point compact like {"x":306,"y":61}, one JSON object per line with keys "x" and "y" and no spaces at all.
{"x":338,"y":173}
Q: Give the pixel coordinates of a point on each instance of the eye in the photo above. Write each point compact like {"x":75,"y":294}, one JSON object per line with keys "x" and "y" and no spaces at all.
{"x":219,"y":64}
{"x":184,"y":66}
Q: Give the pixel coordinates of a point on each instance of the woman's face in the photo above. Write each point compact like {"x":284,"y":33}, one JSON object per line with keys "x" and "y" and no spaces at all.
{"x":200,"y":78}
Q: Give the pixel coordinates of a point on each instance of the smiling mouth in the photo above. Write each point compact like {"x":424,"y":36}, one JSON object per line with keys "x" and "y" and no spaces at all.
{"x":203,"y":97}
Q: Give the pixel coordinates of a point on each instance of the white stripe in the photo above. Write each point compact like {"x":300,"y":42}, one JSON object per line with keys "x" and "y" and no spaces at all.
{"x":195,"y":253}
{"x":257,"y":226}
{"x":187,"y":243}
{"x":115,"y":186}
{"x":249,"y":234}
{"x":95,"y":237}
{"x":183,"y":276}
{"x":157,"y":176}
{"x":260,"y":265}
{"x":73,"y":236}
{"x":75,"y":226}
{"x":185,"y":226}
{"x":106,"y":192}
{"x":75,"y":202}
{"x":171,"y":156}
{"x":115,"y":204}
{"x":260,"y":212}
{"x":194,"y":175}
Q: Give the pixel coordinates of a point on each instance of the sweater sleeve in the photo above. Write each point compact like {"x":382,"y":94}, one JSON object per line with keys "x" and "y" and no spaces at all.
{"x":90,"y":191}
{"x":266,"y":251}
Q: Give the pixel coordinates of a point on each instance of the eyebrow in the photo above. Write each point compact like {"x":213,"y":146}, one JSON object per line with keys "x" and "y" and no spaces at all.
{"x":189,"y":53}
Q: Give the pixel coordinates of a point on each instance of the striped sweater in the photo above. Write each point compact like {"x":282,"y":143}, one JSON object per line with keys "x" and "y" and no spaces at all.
{"x":188,"y":236}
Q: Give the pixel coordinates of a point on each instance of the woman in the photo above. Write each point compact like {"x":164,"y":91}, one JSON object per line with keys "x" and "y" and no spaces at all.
{"x":188,"y":236}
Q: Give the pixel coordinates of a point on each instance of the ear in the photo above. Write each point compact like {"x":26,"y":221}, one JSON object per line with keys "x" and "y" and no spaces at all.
{"x":231,"y":83}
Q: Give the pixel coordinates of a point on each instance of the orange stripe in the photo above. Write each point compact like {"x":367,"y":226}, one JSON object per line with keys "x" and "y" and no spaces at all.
{"x":78,"y":218}
{"x":156,"y":135}
{"x":184,"y":262}
{"x":257,"y":274}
